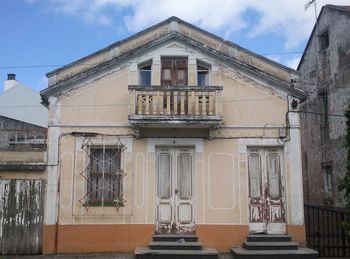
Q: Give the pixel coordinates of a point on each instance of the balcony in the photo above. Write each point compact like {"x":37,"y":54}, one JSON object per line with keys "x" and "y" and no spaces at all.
{"x":175,"y":106}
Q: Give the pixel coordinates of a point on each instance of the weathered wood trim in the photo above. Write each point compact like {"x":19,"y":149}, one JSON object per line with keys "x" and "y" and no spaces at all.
{"x":22,"y":166}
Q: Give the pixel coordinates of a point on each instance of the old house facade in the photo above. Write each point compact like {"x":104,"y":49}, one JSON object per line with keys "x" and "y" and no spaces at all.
{"x":172,"y":130}
{"x":23,"y":132}
{"x":324,"y":75}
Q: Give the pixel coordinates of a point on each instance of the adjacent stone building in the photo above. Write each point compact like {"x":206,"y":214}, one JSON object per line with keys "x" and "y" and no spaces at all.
{"x":325,"y":76}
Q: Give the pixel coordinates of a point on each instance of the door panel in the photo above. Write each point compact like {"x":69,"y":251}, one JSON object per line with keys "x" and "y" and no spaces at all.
{"x":184,"y":171}
{"x":273,"y":175}
{"x":175,"y":190}
{"x":164,"y":179}
{"x":255,"y":187}
{"x":165,"y":213}
{"x":185,"y":213}
{"x":266,"y":197}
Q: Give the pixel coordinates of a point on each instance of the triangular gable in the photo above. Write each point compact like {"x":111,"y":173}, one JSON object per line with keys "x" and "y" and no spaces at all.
{"x":171,"y":29}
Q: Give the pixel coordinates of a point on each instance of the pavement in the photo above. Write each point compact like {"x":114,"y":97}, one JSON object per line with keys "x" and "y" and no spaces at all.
{"x":89,"y":256}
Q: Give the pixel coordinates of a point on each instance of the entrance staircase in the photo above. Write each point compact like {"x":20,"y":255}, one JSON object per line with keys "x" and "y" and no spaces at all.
{"x":262,"y":246}
{"x":175,"y":246}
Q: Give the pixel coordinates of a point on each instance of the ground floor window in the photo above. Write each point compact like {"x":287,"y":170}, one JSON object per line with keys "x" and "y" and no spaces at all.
{"x":105,"y":182}
{"x":104,"y":172}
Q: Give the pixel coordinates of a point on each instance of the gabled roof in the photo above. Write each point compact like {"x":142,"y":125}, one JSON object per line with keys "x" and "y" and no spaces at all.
{"x":168,"y":21}
{"x":172,"y":34}
{"x":344,"y":9}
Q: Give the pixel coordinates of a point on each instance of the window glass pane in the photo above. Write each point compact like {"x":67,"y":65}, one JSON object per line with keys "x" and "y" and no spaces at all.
{"x":181,"y":79}
{"x":167,"y":74}
{"x":180,"y":75}
{"x":254,"y":175}
{"x":328,"y":180}
{"x":202,"y":78}
{"x":103,"y":185}
{"x":145,"y":77}
{"x":164,"y":177}
{"x":273,"y":174}
{"x":184,"y":176}
{"x":202,"y":75}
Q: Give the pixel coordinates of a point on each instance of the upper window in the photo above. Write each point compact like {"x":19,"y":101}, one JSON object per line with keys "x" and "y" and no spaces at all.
{"x":202,"y":75}
{"x":104,"y":187}
{"x":174,"y":72}
{"x":324,"y":40}
{"x":328,"y":185}
{"x":145,"y":72}
{"x":324,"y":123}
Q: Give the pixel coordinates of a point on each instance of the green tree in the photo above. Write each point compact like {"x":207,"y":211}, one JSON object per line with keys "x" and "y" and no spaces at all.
{"x":344,"y":184}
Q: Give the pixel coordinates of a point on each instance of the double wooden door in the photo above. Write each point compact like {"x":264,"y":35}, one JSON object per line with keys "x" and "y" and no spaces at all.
{"x":174,"y":190}
{"x":174,"y":72}
{"x":266,"y":191}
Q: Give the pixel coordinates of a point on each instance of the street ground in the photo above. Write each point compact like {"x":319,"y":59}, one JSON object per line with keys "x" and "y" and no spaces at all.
{"x":89,"y":256}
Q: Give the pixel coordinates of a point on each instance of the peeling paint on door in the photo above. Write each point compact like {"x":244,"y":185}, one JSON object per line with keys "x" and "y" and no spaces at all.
{"x":175,"y":201}
{"x":21,"y":216}
{"x":266,"y":191}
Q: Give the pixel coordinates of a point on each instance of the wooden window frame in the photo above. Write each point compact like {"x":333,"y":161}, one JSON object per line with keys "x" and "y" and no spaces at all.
{"x":175,"y":64}
{"x":145,"y":67}
{"x":202,"y":68}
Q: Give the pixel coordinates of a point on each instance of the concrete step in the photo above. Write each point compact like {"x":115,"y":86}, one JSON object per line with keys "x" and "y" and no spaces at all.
{"x":300,"y":253}
{"x":148,"y":253}
{"x":270,"y":245}
{"x":174,"y":238}
{"x":267,"y":238}
{"x":156,"y":245}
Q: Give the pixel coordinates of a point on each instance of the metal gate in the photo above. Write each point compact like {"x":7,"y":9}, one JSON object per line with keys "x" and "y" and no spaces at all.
{"x":21,"y":216}
{"x":324,"y":231}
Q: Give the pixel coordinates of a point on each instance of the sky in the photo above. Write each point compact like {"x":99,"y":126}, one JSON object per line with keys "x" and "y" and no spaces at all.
{"x":38,"y":36}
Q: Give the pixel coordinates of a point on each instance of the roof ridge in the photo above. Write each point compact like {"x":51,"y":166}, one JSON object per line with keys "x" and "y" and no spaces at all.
{"x":168,"y":21}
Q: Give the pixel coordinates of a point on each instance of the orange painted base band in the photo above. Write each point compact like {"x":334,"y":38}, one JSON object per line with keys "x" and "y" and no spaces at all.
{"x":298,"y":234}
{"x":96,"y":238}
{"x":49,"y":239}
{"x":125,"y":238}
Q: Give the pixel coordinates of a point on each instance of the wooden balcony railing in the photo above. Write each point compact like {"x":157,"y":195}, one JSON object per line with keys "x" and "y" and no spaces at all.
{"x":187,"y":105}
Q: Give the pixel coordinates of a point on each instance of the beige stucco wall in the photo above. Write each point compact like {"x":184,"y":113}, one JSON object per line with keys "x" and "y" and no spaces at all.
{"x":220,"y":187}
{"x":221,"y":195}
{"x":106,"y":100}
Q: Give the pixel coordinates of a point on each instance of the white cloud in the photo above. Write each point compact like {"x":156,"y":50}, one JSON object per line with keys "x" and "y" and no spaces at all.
{"x":289,"y":19}
{"x":211,"y":15}
{"x":286,"y":18}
